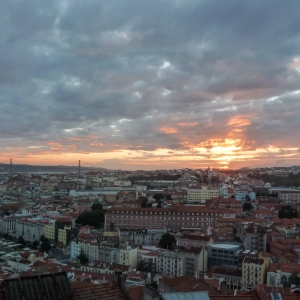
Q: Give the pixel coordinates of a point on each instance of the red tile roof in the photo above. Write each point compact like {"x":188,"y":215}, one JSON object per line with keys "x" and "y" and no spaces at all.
{"x":90,"y":291}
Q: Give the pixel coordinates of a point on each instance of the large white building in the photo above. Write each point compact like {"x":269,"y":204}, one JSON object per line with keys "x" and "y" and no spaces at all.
{"x":188,"y":262}
{"x":201,"y":194}
{"x":279,"y":273}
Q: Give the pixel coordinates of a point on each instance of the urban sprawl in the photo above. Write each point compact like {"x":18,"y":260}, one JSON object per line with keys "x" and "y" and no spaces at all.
{"x":164,"y":234}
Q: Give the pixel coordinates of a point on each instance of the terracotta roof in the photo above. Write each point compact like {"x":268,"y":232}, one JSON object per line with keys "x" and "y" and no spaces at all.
{"x":90,"y":291}
{"x":186,"y":283}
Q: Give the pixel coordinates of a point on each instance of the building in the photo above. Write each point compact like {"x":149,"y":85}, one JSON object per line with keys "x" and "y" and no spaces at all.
{"x":226,"y":203}
{"x":192,"y":262}
{"x":240,"y":194}
{"x":49,"y":232}
{"x":279,"y":273}
{"x":8,"y":224}
{"x":254,"y":271}
{"x":289,"y":196}
{"x":173,"y":218}
{"x":201,"y":194}
{"x":255,"y":238}
{"x":190,"y":240}
{"x":64,"y":236}
{"x":223,"y":254}
{"x":128,"y":255}
{"x":148,"y":236}
{"x":232,"y":276}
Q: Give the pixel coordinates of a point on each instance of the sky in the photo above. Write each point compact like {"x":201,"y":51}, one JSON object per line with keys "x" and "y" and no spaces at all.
{"x":134,"y":84}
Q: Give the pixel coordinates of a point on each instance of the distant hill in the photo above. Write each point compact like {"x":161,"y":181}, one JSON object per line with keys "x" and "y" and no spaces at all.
{"x":59,"y":168}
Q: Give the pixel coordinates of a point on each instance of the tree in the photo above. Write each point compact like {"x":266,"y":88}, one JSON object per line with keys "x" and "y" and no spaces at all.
{"x":294,"y":279}
{"x":158,"y":197}
{"x":149,"y":205}
{"x":45,"y":244}
{"x":167,"y":241}
{"x":168,"y":197}
{"x":143,"y":201}
{"x":82,"y":257}
{"x":247,"y":198}
{"x":145,"y":265}
{"x":21,"y":241}
{"x":35,"y":244}
{"x":93,"y":218}
{"x":247,"y":206}
{"x":97,"y":206}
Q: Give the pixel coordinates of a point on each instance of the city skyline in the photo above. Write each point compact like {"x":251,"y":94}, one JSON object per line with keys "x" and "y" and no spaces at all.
{"x":150,"y":85}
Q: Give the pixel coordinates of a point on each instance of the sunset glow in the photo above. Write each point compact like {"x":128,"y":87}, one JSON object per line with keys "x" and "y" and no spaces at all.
{"x":129,"y":86}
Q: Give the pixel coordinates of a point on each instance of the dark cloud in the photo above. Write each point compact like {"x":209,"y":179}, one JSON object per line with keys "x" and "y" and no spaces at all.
{"x":147,"y":75}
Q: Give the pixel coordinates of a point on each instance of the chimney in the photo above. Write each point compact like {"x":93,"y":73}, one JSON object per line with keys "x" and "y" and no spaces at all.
{"x":118,"y":274}
{"x":223,"y":288}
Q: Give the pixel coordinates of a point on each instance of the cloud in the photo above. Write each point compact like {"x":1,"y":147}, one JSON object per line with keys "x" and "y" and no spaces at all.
{"x":97,"y":78}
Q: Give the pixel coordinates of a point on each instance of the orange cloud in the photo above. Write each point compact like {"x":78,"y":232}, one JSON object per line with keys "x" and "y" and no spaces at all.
{"x":242,"y":120}
{"x":168,"y":130}
{"x":189,"y":124}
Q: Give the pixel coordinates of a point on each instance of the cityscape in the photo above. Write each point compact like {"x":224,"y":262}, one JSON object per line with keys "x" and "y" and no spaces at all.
{"x":151,"y":234}
{"x":149,"y":150}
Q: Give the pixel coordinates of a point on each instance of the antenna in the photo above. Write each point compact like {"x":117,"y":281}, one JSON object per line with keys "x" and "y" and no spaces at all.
{"x":10,"y":166}
{"x":78,"y":168}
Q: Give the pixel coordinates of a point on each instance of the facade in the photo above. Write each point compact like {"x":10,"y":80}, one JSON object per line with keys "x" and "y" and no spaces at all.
{"x":174,"y":218}
{"x":254,"y":271}
{"x":224,"y":192}
{"x":226,"y":203}
{"x":49,"y":232}
{"x":175,"y":264}
{"x":149,"y":236}
{"x":233,"y":277}
{"x":279,"y":273}
{"x":255,"y":238}
{"x":201,"y":194}
{"x":240,"y":194}
{"x":128,"y":256}
{"x":64,"y":236}
{"x":188,"y":240}
{"x":223,"y":254}
{"x":289,"y":196}
{"x":8,"y":224}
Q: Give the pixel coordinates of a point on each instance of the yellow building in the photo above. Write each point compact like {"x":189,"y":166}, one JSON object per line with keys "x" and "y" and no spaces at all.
{"x":254,"y":270}
{"x":128,"y":256}
{"x":50,"y":232}
{"x":203,"y":193}
{"x":63,"y":235}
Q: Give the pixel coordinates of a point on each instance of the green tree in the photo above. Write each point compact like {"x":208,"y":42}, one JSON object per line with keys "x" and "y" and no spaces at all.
{"x":144,"y":265}
{"x":143,"y":201}
{"x":82,"y":257}
{"x":247,"y":206}
{"x":45,"y":244}
{"x":21,"y":240}
{"x":158,"y":197}
{"x":168,"y":197}
{"x":97,"y":206}
{"x":149,"y":205}
{"x":35,"y":244}
{"x":294,"y":279}
{"x":93,"y":218}
{"x":167,"y":240}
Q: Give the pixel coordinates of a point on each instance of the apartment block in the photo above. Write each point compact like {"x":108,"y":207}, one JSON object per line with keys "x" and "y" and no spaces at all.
{"x":148,"y":236}
{"x":174,"y":218}
{"x":223,"y":254}
{"x":201,"y":194}
{"x":254,"y":271}
{"x":190,"y":262}
{"x":279,"y":273}
{"x":255,"y":238}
